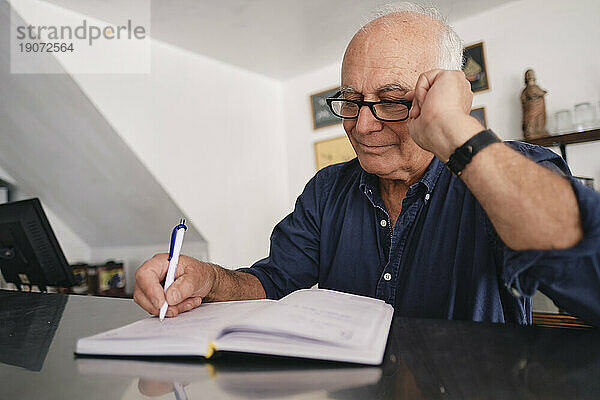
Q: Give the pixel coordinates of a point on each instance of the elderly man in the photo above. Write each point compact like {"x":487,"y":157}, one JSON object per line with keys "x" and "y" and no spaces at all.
{"x":396,"y":224}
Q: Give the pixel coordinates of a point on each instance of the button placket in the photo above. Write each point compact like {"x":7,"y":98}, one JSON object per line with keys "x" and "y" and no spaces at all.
{"x":406,"y":220}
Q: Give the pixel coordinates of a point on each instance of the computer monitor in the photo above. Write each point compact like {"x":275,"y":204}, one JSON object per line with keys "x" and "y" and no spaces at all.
{"x":29,"y":252}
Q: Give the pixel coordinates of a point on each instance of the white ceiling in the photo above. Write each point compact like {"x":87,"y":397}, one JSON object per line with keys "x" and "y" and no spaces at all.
{"x":277,"y":38}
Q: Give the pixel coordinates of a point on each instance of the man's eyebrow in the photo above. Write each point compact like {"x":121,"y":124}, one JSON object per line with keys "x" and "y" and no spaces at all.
{"x":347,"y":89}
{"x":393,"y":87}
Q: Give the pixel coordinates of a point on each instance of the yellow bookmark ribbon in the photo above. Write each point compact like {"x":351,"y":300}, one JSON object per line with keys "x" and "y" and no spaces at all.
{"x":211,"y":350}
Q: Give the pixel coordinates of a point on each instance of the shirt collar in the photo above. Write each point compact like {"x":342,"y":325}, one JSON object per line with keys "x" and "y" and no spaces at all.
{"x":369,"y":183}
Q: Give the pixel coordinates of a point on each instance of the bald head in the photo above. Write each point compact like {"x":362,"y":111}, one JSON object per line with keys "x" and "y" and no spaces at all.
{"x":393,"y":49}
{"x":398,"y":26}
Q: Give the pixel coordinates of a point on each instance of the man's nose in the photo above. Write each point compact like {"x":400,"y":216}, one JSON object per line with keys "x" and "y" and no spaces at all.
{"x":366,"y":121}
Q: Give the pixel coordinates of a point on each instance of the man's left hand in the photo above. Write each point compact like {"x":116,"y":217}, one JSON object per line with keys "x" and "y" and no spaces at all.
{"x":439,"y":118}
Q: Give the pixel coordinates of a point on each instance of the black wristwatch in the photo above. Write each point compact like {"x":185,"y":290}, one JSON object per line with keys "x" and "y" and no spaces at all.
{"x":464,"y":154}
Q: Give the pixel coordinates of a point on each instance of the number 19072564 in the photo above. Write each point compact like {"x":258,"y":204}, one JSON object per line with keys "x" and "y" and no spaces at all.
{"x":40,"y":47}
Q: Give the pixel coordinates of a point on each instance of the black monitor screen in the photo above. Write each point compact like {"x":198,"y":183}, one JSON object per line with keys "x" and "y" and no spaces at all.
{"x":29,"y":251}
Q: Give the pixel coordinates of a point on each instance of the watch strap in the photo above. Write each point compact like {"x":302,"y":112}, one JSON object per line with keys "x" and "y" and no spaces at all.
{"x":464,"y":154}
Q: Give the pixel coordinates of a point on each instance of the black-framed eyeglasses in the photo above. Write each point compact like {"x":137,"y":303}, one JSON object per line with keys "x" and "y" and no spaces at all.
{"x":386,"y":110}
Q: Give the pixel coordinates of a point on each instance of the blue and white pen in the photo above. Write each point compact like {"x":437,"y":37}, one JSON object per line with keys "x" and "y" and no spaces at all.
{"x":175,"y":249}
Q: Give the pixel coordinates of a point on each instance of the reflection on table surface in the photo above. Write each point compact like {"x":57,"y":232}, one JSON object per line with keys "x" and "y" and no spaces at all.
{"x":425,"y":359}
{"x":27,"y":327}
{"x":244,"y":376}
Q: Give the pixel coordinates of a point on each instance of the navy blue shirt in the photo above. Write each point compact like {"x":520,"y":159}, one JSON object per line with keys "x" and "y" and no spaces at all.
{"x":443,"y":259}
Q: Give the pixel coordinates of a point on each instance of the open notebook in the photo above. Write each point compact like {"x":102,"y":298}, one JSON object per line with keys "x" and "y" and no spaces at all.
{"x":309,"y":323}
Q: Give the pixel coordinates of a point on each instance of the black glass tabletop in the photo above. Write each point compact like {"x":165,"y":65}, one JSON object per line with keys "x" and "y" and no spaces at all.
{"x":425,"y":359}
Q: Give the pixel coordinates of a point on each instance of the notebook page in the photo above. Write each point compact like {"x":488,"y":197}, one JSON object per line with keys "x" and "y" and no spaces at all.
{"x":319,"y":315}
{"x":291,"y":346}
{"x":187,"y":334}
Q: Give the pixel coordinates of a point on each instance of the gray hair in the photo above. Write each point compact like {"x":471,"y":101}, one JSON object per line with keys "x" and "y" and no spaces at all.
{"x":450,"y":46}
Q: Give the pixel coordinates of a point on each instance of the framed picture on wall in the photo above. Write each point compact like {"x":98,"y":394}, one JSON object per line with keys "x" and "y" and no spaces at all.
{"x":333,"y":151}
{"x":475,"y":68}
{"x":322,"y":116}
{"x":479,"y":114}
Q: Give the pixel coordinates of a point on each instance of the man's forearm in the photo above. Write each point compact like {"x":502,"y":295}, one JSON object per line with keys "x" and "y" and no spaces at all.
{"x":530,"y":206}
{"x":233,"y":285}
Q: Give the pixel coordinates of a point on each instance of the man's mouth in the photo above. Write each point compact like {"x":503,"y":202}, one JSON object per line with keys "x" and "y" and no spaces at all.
{"x":373,"y":146}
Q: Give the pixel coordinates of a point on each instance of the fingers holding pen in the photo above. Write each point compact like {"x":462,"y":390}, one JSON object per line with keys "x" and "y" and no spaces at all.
{"x":143,"y":301}
{"x":194,"y":280}
{"x":188,"y":304}
{"x":190,"y":285}
{"x":148,"y":279}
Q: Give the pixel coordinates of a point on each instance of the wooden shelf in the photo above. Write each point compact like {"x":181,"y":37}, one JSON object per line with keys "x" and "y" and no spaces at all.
{"x":558,"y":321}
{"x":567,"y":138}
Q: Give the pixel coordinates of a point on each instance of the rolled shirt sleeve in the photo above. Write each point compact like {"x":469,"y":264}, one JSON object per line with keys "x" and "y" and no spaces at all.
{"x":570,"y":277}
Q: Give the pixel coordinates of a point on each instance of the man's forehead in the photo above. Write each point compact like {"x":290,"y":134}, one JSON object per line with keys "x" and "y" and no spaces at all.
{"x":390,"y":51}
{"x":376,"y":80}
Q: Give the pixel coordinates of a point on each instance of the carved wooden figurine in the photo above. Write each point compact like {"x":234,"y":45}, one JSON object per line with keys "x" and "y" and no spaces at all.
{"x":534,"y":108}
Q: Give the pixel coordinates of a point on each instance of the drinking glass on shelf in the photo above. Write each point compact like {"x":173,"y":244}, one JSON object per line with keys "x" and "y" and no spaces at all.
{"x":562,"y":121}
{"x":583,"y":116}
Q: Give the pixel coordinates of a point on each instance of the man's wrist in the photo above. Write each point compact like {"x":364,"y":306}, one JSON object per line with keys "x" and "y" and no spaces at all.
{"x":214,"y":290}
{"x":464,"y":154}
{"x":458,"y":132}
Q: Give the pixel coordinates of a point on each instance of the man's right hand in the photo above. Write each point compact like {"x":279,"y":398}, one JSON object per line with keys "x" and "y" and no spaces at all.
{"x":194,"y":282}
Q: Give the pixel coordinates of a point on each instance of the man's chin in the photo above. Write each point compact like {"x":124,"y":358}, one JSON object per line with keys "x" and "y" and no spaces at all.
{"x":374,"y":164}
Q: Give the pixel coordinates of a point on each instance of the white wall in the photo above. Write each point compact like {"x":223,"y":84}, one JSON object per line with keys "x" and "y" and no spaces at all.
{"x":299,"y":133}
{"x":74,"y":248}
{"x":5,"y":176}
{"x":212,"y":136}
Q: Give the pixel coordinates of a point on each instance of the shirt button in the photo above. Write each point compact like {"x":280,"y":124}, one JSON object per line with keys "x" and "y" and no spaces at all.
{"x":387,"y":276}
{"x":515,"y":292}
{"x":427,"y":197}
{"x":383,"y":223}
